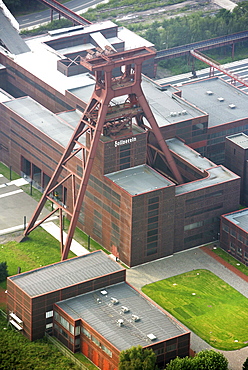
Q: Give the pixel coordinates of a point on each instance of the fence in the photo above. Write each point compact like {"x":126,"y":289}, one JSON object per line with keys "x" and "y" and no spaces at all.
{"x":66,"y":352}
{"x":3,"y":314}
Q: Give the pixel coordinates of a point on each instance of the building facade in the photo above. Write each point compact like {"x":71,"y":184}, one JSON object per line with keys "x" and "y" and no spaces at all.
{"x":86,"y":303}
{"x":236,"y":158}
{"x":234,"y":234}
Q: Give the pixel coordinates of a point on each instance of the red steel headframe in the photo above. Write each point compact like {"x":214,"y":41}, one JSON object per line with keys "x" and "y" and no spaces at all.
{"x":94,"y":121}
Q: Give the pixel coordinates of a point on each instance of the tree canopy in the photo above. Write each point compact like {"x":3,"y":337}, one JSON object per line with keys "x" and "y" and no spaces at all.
{"x":137,"y":358}
{"x":204,"y":360}
{"x":3,"y":271}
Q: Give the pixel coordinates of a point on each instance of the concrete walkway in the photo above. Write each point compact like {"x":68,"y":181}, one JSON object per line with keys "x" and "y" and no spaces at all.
{"x":15,"y":204}
{"x":54,"y":230}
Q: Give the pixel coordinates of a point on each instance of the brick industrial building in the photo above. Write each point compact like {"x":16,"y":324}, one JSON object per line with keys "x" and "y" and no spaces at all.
{"x":87,"y":304}
{"x":131,"y":207}
{"x":234,"y":234}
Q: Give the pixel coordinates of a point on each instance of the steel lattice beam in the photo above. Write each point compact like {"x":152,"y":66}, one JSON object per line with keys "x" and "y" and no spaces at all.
{"x":99,"y":116}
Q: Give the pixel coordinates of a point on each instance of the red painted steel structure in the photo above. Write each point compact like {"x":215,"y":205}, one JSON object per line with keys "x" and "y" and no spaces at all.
{"x":66,"y":12}
{"x":102,"y":117}
{"x":213,"y":64}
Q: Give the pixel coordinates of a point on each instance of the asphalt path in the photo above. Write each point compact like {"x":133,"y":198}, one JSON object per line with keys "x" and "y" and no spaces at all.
{"x":36,"y":19}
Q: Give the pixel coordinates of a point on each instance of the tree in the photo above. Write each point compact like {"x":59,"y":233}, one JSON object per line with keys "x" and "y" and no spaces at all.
{"x":137,"y":358}
{"x":210,"y":360}
{"x":245,"y":364}
{"x":178,"y":363}
{"x":3,"y":271}
{"x":204,"y":360}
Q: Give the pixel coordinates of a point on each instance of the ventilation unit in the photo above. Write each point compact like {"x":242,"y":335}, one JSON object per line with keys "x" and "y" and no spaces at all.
{"x":104,"y":292}
{"x":232,"y":106}
{"x":209,"y":92}
{"x":221,"y":99}
{"x":114,"y":300}
{"x":124,"y":309}
{"x":120,"y":322}
{"x":135,"y":318}
{"x":151,"y":336}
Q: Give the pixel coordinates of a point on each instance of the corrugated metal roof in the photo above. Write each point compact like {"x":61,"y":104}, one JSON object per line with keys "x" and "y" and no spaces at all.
{"x":10,"y":38}
{"x":102,"y":315}
{"x":65,"y":273}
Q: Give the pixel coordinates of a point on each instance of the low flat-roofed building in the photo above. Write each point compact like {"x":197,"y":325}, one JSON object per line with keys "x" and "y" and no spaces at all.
{"x":115,"y":319}
{"x":87,"y":304}
{"x":227,"y":114}
{"x":236,"y":158}
{"x":234,"y":234}
{"x":31,"y":294}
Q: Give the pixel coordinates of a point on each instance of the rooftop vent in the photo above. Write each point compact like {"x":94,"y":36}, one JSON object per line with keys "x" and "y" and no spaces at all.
{"x":124,"y":309}
{"x":151,"y":336}
{"x":173,"y":114}
{"x":221,"y":99}
{"x":104,"y":292}
{"x":135,"y":318}
{"x":209,"y":92}
{"x":232,"y":106}
{"x":120,"y":322}
{"x":114,"y":300}
{"x":184,"y":112}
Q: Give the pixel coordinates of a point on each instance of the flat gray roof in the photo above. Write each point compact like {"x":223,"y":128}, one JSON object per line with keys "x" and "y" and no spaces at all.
{"x":71,"y":117}
{"x":189,"y":154}
{"x":240,"y":139}
{"x":166,"y":107}
{"x":222,"y":101}
{"x":66,"y":273}
{"x":43,"y":119}
{"x":239,"y":218}
{"x":10,"y":37}
{"x":102,"y":315}
{"x":138,"y":180}
{"x":216,"y":175}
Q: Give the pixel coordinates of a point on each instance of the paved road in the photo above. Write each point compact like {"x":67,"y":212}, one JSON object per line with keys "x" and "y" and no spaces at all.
{"x":188,"y":261}
{"x":35,"y":19}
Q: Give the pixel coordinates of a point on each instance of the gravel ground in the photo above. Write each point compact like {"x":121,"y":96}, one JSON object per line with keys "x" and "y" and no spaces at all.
{"x":187,"y":261}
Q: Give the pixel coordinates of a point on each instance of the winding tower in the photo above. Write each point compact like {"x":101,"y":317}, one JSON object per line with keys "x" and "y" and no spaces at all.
{"x":117,"y":78}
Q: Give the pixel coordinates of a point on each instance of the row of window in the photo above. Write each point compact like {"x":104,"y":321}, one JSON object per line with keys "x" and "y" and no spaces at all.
{"x":152,"y":226}
{"x":125,"y":156}
{"x":102,"y":205}
{"x":205,"y":196}
{"x":194,"y":225}
{"x":96,"y":341}
{"x":228,"y":132}
{"x":239,"y":251}
{"x":235,"y":234}
{"x":40,"y":88}
{"x":72,"y":329}
{"x":105,"y":190}
{"x":203,"y":210}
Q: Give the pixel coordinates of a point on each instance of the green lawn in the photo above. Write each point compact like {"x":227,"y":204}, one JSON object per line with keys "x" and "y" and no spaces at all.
{"x":206,"y":305}
{"x":6,"y":172}
{"x":231,"y":260}
{"x":39,"y":249}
